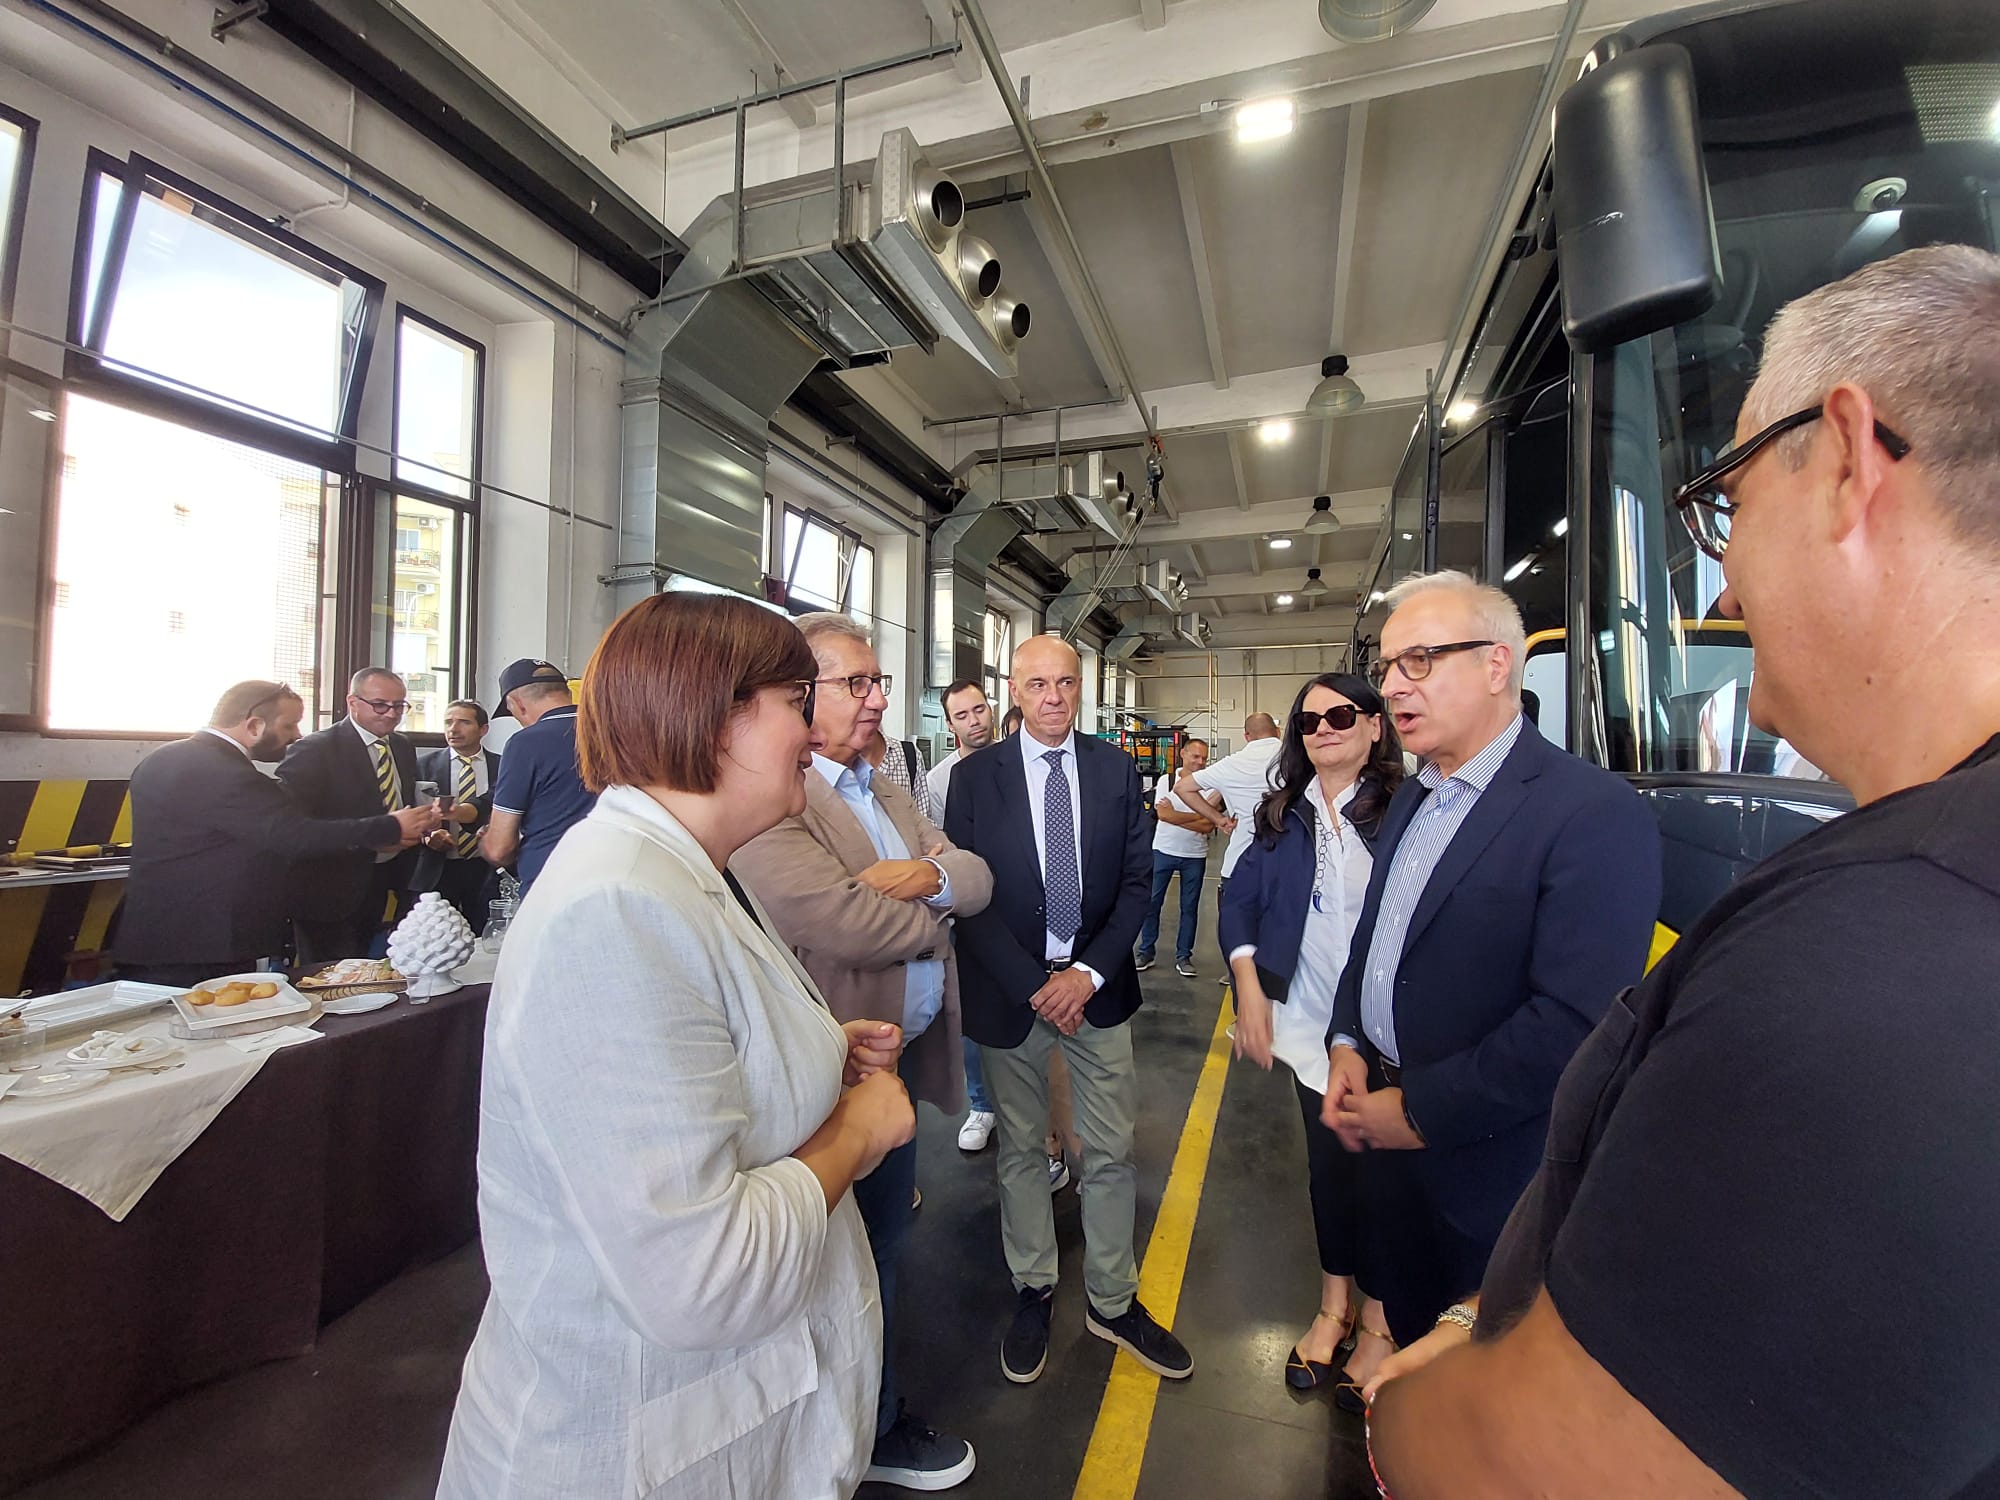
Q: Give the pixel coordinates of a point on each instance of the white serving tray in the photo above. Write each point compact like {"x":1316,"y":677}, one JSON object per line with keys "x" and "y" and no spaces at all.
{"x":212,"y":1020}
{"x":99,"y":1008}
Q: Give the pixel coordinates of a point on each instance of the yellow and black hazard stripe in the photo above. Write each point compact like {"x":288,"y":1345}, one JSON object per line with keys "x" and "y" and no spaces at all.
{"x":41,"y":926}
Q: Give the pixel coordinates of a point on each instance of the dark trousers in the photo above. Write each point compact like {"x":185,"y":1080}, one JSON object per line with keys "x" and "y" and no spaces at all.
{"x":358,"y":933}
{"x":1190,"y":868}
{"x":884,"y":1197}
{"x":1413,"y":1259}
{"x":1333,"y":1177}
{"x":464,"y":883}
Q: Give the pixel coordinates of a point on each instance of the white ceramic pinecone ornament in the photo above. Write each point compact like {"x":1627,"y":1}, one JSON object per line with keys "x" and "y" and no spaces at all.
{"x":428,"y":944}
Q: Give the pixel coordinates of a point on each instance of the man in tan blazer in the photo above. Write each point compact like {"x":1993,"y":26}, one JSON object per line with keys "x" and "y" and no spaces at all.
{"x":862,"y":887}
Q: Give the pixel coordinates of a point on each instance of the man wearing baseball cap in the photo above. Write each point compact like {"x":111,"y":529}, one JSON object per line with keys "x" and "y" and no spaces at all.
{"x":539,"y":793}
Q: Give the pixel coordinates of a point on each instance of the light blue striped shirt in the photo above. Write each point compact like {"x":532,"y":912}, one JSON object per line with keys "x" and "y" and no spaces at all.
{"x":923,"y":978}
{"x":1423,"y":844}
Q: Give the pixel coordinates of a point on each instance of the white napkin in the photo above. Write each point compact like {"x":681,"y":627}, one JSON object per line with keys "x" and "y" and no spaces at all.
{"x":261,"y":1042}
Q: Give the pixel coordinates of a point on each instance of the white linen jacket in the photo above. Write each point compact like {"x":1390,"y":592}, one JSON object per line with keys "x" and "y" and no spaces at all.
{"x":673,"y":1311}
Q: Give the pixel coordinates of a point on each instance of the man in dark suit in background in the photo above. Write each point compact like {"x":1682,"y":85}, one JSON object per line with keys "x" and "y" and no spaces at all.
{"x":464,"y":772}
{"x":1061,"y":821}
{"x":359,"y":767}
{"x":213,"y":838}
{"x":1514,"y":894}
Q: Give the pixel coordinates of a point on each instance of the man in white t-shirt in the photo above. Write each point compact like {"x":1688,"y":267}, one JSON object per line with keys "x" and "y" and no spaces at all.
{"x":1241,"y":780}
{"x":1180,"y":848}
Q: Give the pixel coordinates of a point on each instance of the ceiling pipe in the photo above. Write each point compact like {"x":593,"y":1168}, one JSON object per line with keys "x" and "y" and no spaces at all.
{"x":982,"y":36}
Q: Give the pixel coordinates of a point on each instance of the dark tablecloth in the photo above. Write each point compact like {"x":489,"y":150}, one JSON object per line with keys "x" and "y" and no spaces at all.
{"x":344,"y":1163}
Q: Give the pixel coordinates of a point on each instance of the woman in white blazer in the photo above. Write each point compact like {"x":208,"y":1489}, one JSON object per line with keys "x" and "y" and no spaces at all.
{"x":683,"y":1302}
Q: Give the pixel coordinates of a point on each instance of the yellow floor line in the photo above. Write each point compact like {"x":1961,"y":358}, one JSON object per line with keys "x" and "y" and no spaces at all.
{"x":1125,"y":1417}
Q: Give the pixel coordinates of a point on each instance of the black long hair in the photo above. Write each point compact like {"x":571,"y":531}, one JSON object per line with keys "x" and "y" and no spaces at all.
{"x":1380,"y":775}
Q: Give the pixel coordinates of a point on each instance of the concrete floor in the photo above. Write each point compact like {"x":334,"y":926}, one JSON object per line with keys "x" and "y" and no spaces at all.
{"x":364,"y":1416}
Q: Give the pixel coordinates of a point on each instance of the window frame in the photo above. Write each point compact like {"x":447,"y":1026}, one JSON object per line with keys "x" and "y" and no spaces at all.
{"x":86,"y":369}
{"x":17,"y":211}
{"x":848,"y":543}
{"x":406,"y":313}
{"x":463,"y":595}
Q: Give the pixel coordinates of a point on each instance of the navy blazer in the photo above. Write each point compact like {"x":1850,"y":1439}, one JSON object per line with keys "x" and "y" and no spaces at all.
{"x":1539,"y":912}
{"x":1265,"y":902}
{"x":1000,"y":950}
{"x":434,"y":764}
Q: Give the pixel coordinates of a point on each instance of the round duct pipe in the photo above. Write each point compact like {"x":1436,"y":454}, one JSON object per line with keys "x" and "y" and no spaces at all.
{"x":1008,"y":319}
{"x":940,"y":206}
{"x":1370,"y":20}
{"x":978,"y":270}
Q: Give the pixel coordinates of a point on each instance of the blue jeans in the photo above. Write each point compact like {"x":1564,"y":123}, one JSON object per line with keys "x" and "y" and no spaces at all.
{"x":1190,"y":868}
{"x":975,"y":1080}
{"x":884,"y":1198}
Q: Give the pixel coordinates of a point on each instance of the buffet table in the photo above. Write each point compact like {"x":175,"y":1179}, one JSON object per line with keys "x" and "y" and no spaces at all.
{"x":341,"y":1165}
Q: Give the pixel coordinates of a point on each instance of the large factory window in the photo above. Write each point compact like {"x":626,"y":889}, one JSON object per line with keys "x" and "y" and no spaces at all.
{"x":183,"y":562}
{"x":438,"y":378}
{"x":428,"y":578}
{"x":17,"y":146}
{"x":827,"y":566}
{"x":999,"y":652}
{"x":196,"y":306}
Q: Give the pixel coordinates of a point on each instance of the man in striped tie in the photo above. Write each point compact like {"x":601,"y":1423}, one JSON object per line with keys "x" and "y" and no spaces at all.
{"x":359,"y":767}
{"x":465,"y":772}
{"x":1059,"y":818}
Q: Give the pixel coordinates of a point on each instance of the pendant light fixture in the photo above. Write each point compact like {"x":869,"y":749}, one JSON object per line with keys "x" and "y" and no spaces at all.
{"x":1314,"y":583}
{"x":1336,"y":392}
{"x":1322,"y":518}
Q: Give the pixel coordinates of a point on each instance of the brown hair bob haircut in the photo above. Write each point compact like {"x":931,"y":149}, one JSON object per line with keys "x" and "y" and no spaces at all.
{"x":662,"y":684}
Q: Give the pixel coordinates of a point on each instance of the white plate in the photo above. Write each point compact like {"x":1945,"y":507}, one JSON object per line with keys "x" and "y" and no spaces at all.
{"x":58,"y":1085}
{"x":200,"y":1018}
{"x":100,"y":1007}
{"x":357,"y":1005}
{"x":123,"y":1052}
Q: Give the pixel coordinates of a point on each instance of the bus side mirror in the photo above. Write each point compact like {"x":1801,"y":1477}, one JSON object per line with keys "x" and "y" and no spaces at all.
{"x":1635,"y":231}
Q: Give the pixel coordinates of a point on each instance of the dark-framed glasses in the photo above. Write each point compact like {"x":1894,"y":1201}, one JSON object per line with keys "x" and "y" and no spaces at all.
{"x":386,"y":705}
{"x":861,"y":684}
{"x":1417,"y":661}
{"x":1705,"y":507}
{"x":810,"y":687}
{"x":1340,"y":716}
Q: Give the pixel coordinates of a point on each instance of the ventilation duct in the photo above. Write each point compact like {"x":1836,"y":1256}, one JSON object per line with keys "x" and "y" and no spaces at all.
{"x":1370,"y":20}
{"x":1154,"y":584}
{"x":841,"y":274}
{"x":1190,"y":629}
{"x":965,"y":544}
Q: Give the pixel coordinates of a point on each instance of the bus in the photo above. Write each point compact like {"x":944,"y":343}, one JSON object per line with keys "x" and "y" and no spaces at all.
{"x":1831,"y":133}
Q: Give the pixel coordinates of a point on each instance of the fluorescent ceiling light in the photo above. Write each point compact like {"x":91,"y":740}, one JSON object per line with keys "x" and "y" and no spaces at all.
{"x":42,"y":414}
{"x":1263,"y":120}
{"x":1284,"y":598}
{"x":1562,"y":527}
{"x":1409,"y":536}
{"x":1271,"y":433}
{"x":1517,"y":570}
{"x":1279,"y":543}
{"x":1462,"y":411}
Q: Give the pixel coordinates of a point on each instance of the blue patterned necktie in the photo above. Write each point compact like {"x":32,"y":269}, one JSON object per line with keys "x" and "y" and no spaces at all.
{"x":1063,"y":887}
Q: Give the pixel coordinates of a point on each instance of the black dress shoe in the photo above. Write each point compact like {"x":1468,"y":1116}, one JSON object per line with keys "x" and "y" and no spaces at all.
{"x":1025,"y":1349}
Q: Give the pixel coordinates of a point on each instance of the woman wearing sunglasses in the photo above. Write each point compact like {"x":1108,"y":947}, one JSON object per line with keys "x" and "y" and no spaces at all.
{"x":1287,"y":918}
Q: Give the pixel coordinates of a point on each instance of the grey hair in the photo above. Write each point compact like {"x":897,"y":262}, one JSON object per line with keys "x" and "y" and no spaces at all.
{"x":824,"y":623}
{"x":362,"y":678}
{"x":1920,"y":332}
{"x":1498,"y":615}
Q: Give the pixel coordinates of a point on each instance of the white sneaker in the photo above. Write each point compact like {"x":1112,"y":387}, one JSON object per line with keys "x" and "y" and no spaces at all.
{"x":976,"y":1131}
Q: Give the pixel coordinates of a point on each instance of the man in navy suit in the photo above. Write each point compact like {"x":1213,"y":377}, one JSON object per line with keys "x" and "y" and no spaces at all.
{"x":1514,"y":895}
{"x":463,"y":771}
{"x":358,"y":767}
{"x":1060,"y":820}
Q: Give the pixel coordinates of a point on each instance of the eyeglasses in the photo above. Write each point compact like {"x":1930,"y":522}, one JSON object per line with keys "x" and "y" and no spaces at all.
{"x":1705,"y":509}
{"x":1340,"y":716}
{"x":386,"y":705}
{"x":810,"y":688}
{"x":861,"y":684}
{"x":1416,"y":662}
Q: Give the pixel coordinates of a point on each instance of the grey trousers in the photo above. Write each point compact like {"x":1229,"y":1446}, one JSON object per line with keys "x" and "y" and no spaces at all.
{"x":1105,"y":1091}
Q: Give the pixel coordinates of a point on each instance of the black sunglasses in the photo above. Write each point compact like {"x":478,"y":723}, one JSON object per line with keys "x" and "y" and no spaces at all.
{"x":806,"y":704}
{"x":1704,"y":508}
{"x":1340,"y":716}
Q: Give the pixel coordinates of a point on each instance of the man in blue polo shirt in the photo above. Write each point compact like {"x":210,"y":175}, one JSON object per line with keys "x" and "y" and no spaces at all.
{"x":539,"y":793}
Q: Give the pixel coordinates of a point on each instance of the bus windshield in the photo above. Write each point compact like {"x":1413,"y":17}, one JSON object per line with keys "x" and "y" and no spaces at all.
{"x":1874,"y":131}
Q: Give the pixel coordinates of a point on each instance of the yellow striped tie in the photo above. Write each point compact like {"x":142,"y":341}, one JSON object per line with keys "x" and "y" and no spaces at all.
{"x":466,"y":789}
{"x":385,"y":777}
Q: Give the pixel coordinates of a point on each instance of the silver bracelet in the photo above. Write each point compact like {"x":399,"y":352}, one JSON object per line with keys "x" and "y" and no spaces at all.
{"x":1460,"y":1314}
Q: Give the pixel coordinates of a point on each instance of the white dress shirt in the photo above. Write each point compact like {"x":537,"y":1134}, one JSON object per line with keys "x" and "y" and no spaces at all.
{"x":1036,"y":770}
{"x":1242,"y":780}
{"x":938,"y":779}
{"x":228,"y":740}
